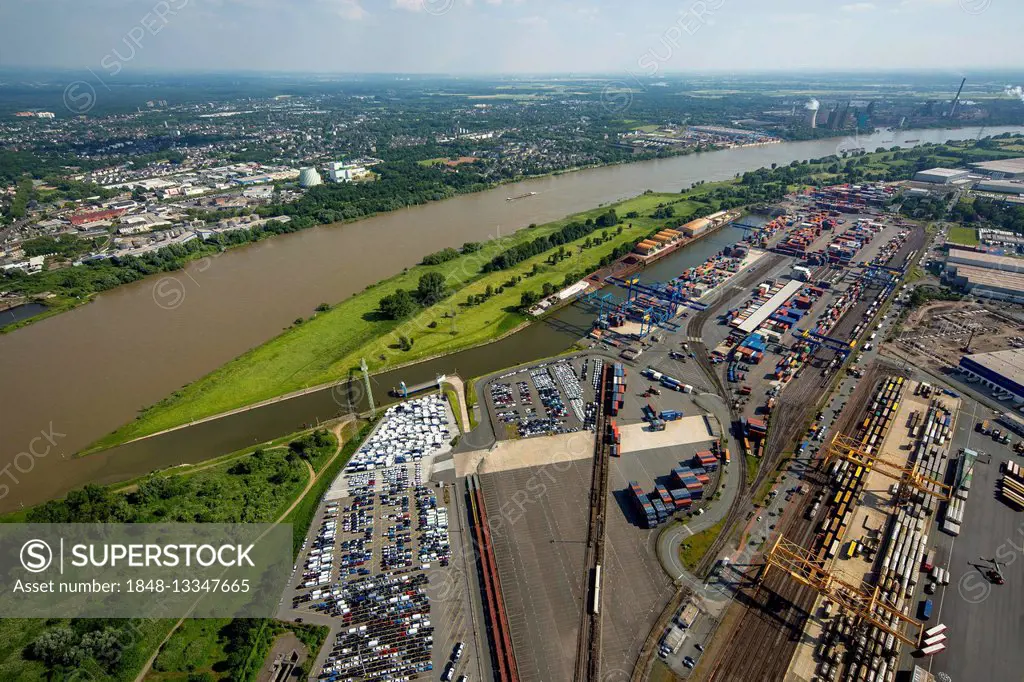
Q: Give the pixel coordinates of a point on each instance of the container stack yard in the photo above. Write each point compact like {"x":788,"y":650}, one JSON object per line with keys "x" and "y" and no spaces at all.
{"x":898,"y":549}
{"x":853,"y":198}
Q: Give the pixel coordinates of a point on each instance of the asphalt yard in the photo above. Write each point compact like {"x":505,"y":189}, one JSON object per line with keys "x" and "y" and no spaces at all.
{"x":538,"y":519}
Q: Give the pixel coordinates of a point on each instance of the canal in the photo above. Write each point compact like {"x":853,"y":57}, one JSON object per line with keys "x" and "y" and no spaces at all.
{"x":84,"y":373}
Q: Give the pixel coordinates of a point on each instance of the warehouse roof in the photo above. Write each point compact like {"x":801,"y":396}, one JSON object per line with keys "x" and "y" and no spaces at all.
{"x":770,"y":306}
{"x":992,"y":279}
{"x":1006,"y":363}
{"x":987,"y":260}
{"x":1002,"y":165}
{"x":1007,"y":186}
{"x":944,"y":172}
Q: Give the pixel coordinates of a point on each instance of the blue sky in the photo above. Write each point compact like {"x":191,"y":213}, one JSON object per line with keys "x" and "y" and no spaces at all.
{"x":492,"y":36}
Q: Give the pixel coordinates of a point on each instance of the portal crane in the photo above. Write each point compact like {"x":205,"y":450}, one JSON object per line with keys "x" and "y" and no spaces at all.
{"x":865,"y":604}
{"x":851,"y":450}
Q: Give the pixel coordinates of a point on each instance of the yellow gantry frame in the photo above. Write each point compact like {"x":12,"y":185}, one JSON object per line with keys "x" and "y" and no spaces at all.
{"x":845,"y":447}
{"x":799,"y":563}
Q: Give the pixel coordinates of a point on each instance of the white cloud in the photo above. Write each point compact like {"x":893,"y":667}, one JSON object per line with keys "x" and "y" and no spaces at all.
{"x":859,"y":7}
{"x":409,"y":5}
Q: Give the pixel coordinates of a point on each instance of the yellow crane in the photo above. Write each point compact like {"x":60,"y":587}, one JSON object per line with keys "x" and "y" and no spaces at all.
{"x":849,"y":449}
{"x":865,"y":604}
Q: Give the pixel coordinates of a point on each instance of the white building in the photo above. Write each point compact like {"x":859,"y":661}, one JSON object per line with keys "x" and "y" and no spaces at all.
{"x":941,"y":176}
{"x":1001,"y":186}
{"x":1007,"y":169}
{"x":344,"y":172}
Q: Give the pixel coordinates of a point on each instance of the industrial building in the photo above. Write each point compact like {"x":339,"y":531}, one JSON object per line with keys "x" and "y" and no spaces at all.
{"x":1000,"y":370}
{"x":1002,"y":169}
{"x":989,"y":261}
{"x":986,"y":275}
{"x":941,"y":176}
{"x":1001,"y":186}
{"x":344,"y":172}
{"x":695,"y":227}
{"x":698,"y":226}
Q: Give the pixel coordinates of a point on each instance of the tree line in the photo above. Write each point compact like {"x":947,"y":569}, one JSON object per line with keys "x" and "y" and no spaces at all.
{"x":567,"y":233}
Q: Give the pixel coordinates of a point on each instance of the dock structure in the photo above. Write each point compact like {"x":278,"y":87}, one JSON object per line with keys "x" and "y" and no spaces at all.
{"x":406,"y":391}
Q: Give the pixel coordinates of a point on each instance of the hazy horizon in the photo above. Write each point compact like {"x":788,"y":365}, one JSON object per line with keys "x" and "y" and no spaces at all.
{"x":511,"y":37}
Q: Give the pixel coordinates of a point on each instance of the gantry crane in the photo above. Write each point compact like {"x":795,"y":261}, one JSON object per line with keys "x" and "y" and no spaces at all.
{"x":801,"y":564}
{"x":845,"y":447}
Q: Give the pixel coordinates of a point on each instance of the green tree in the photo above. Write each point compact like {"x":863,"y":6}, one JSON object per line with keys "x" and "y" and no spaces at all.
{"x":431,"y":288}
{"x":58,"y":647}
{"x":398,"y":306}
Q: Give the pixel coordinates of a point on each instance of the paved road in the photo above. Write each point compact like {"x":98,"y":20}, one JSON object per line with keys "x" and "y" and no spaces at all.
{"x":670,"y":540}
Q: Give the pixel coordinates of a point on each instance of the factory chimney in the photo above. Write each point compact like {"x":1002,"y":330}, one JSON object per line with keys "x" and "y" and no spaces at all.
{"x":956,"y":100}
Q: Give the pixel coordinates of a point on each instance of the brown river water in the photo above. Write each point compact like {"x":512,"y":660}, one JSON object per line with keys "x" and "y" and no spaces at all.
{"x":70,"y":379}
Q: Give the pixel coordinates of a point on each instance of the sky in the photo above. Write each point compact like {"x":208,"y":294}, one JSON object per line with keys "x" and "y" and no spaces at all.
{"x":643,"y":37}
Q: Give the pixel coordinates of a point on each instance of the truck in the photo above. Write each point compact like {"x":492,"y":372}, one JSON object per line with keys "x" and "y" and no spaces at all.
{"x":926,"y":609}
{"x":982,"y":427}
{"x":929,"y":561}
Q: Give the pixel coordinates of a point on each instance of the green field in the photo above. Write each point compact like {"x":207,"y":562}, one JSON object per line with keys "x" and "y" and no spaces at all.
{"x":328,"y":347}
{"x":696,"y":546}
{"x":959,"y":234}
{"x":194,"y":648}
{"x":201,"y":649}
{"x":17,"y":636}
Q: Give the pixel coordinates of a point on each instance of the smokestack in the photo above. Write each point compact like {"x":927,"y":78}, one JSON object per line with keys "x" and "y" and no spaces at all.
{"x":952,"y":107}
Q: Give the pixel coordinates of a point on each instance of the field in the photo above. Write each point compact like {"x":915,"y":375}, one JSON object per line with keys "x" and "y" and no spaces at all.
{"x":328,"y":347}
{"x":959,"y":234}
{"x":696,"y":546}
{"x":194,"y":648}
{"x":200,"y":649}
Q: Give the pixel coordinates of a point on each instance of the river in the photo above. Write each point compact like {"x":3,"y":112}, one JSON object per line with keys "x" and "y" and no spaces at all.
{"x":72,"y":378}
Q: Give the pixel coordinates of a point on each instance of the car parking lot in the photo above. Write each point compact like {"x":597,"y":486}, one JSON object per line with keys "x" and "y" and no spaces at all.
{"x":367,"y":567}
{"x":378,"y":556}
{"x":545,"y":399}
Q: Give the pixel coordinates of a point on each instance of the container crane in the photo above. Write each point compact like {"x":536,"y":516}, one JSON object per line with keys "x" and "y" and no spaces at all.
{"x":851,"y":450}
{"x":837,"y":345}
{"x":863,"y":601}
{"x":634,"y":288}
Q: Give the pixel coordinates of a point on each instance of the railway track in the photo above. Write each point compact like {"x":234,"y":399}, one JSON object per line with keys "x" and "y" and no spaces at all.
{"x":497,"y":618}
{"x":588,"y":649}
{"x":695,"y":330}
{"x":763,"y":641}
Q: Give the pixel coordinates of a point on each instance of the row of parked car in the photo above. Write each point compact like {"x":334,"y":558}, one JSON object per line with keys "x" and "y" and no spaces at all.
{"x":386,"y":630}
{"x":453,"y":663}
{"x":384,"y":610}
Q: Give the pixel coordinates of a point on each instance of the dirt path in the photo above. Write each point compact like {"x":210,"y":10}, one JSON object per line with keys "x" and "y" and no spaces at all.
{"x":313,"y":478}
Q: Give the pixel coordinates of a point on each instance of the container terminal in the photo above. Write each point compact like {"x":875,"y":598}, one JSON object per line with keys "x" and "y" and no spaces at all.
{"x":745,"y":397}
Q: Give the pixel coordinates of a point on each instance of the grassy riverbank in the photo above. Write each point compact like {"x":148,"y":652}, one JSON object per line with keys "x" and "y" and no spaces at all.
{"x":329,"y":346}
{"x":265,"y":484}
